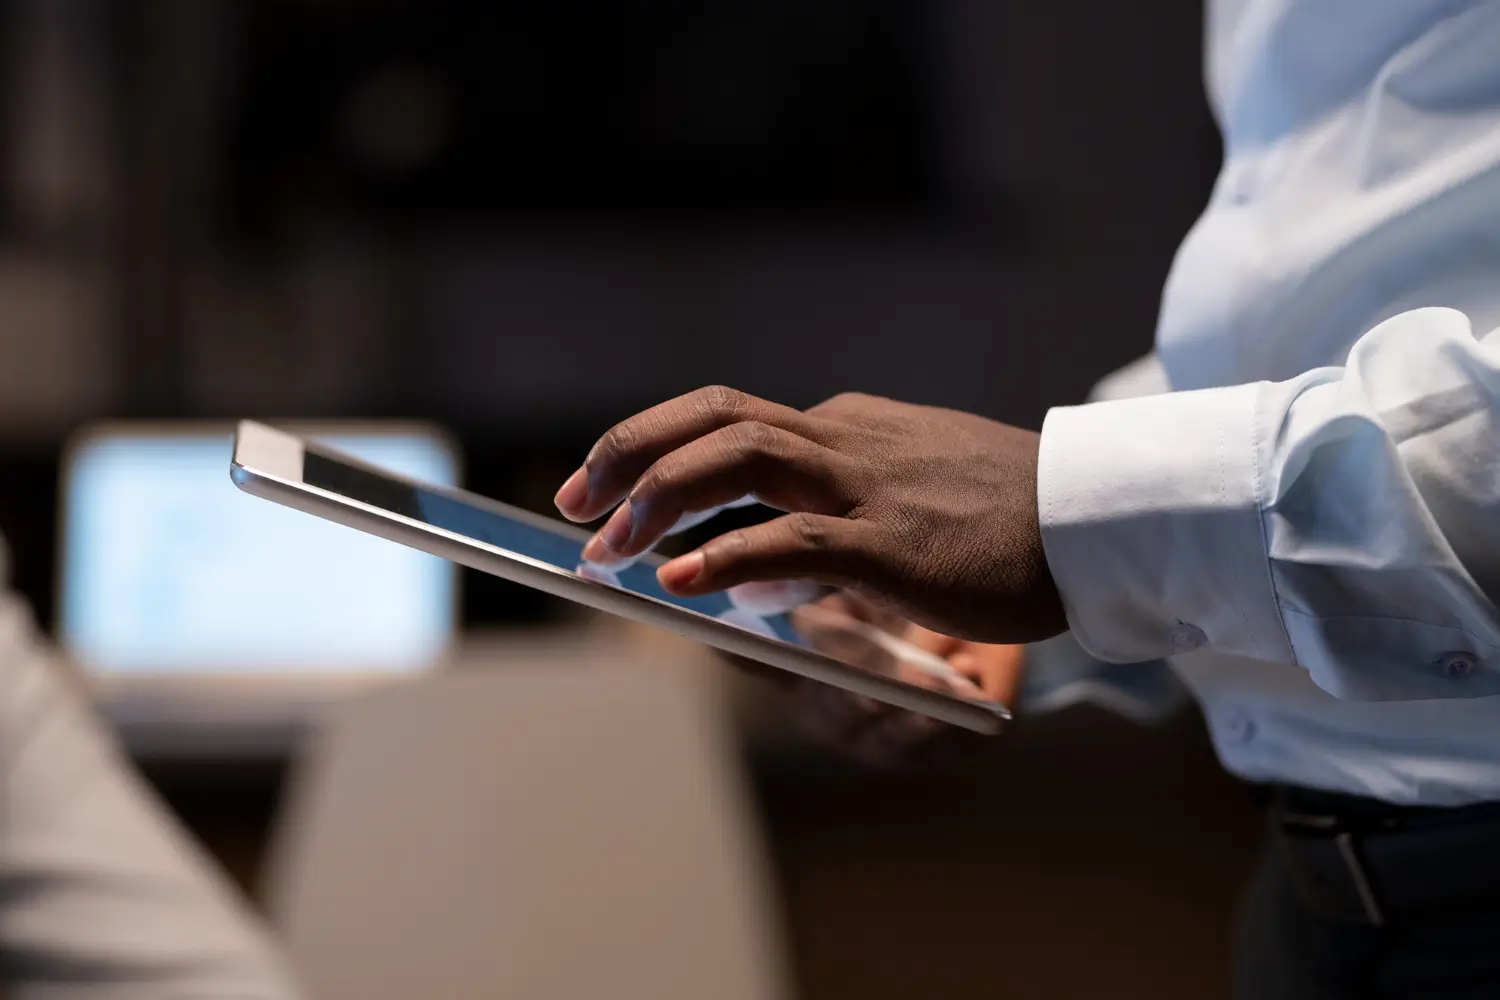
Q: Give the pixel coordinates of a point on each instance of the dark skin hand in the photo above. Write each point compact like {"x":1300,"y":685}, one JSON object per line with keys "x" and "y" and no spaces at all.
{"x":926,"y":513}
{"x":884,"y":736}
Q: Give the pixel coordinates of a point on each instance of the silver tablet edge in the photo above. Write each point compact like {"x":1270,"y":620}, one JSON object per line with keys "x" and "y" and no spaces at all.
{"x":976,"y":716}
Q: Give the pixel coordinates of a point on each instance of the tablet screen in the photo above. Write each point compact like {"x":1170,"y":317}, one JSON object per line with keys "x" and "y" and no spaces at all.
{"x":562,"y":549}
{"x":538,"y":539}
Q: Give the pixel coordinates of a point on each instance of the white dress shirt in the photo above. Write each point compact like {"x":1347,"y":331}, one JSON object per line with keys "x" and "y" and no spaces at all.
{"x":102,"y":897}
{"x":1308,"y":523}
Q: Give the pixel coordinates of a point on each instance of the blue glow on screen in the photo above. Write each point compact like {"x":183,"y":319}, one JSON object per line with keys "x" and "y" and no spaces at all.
{"x":566,"y":552}
{"x":169,"y":568}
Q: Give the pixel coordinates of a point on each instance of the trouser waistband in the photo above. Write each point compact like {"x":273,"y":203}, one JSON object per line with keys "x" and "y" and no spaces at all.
{"x":1363,"y":861}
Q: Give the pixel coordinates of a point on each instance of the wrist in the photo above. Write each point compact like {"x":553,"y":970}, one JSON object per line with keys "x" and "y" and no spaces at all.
{"x":1046,"y":611}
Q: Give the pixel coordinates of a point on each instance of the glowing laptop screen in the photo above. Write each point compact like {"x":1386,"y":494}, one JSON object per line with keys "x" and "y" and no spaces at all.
{"x":169,"y":569}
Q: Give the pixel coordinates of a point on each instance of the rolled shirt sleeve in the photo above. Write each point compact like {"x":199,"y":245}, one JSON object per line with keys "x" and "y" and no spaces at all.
{"x":1347,"y":520}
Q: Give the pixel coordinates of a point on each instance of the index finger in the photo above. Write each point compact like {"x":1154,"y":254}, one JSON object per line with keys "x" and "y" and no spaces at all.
{"x":623,"y":454}
{"x":995,"y":669}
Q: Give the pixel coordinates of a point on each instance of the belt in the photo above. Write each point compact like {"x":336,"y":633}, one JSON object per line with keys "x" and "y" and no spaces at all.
{"x":1361,"y":861}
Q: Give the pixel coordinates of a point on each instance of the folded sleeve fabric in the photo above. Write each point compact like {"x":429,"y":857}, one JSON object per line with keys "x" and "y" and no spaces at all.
{"x":1347,"y":520}
{"x":101,"y":895}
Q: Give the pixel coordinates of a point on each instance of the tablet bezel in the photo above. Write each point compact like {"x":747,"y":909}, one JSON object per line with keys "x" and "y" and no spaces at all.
{"x":267,"y":463}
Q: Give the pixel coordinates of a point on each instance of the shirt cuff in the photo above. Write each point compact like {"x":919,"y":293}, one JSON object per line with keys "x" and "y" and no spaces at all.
{"x":1151,"y":520}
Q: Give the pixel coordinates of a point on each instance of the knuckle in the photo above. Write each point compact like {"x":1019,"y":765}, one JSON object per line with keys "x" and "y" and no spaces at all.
{"x":752,"y":437}
{"x":721,"y":402}
{"x":617,"y":442}
{"x":655,"y":480}
{"x":810,"y":532}
{"x":847,"y":412}
{"x":730,"y":548}
{"x":846,"y":401}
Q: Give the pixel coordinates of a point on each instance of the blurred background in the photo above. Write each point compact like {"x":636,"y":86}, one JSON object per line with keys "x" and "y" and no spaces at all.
{"x":525,"y":222}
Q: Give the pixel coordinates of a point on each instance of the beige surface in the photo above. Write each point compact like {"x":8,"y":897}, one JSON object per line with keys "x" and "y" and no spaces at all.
{"x":538,"y":831}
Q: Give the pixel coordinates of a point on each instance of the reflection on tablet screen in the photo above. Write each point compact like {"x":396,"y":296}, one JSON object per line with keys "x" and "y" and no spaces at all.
{"x":851,"y":642}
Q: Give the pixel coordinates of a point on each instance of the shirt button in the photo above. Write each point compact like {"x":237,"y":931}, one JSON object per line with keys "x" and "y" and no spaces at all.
{"x":1239,"y":727}
{"x":1185,"y":638}
{"x":1457,"y":663}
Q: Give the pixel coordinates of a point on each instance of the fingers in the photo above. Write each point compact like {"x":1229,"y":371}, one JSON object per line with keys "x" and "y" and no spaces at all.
{"x":893,"y":738}
{"x":870,"y":732}
{"x":828,"y":550}
{"x":837,"y":603}
{"x":886,"y":737}
{"x":631,"y":447}
{"x":777,"y":467}
{"x":861,"y":609}
{"x":995,"y":670}
{"x":618,"y":562}
{"x":930,"y":641}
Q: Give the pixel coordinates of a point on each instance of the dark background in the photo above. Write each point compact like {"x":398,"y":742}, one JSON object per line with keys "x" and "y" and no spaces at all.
{"x":528,"y":221}
{"x":565,"y":212}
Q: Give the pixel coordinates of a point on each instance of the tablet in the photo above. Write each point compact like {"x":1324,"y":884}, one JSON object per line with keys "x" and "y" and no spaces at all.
{"x":546,"y":554}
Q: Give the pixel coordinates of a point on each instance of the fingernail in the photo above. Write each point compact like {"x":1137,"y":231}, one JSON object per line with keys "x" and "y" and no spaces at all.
{"x":682,"y":571}
{"x":574,"y":493}
{"x":617,"y":530}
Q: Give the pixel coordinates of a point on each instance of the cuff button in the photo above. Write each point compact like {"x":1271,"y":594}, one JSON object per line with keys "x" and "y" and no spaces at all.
{"x":1457,"y":664}
{"x":1185,"y":638}
{"x":1239,"y":727}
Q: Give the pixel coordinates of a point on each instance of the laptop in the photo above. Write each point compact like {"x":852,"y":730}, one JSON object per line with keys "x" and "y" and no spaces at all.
{"x":208,"y":621}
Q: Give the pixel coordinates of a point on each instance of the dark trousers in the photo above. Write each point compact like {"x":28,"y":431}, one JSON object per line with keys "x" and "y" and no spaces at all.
{"x":1287,"y":950}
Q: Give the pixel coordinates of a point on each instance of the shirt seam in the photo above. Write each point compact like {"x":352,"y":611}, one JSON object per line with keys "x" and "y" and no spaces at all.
{"x":1256,"y":443}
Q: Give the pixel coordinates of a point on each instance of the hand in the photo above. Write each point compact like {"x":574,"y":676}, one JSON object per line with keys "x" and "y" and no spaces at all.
{"x":927,"y":512}
{"x":884,"y":736}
